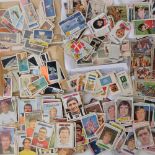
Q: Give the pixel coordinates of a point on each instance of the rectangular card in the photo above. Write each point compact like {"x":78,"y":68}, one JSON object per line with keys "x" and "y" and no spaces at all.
{"x":144,"y":27}
{"x":38,"y":42}
{"x":44,"y":35}
{"x":47,"y":26}
{"x":67,"y":141}
{"x":7,"y":90}
{"x":112,"y":133}
{"x":42,"y":135}
{"x":22,"y":60}
{"x":37,"y":86}
{"x":73,"y":24}
{"x":141,"y":129}
{"x":73,"y":106}
{"x":90,"y":124}
{"x":49,"y":8}
{"x":31,"y":119}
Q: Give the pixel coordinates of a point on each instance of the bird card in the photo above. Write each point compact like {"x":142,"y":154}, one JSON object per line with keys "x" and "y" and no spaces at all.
{"x":7,"y":91}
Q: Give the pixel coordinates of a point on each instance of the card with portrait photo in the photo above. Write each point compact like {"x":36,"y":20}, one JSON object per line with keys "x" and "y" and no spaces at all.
{"x":93,"y":107}
{"x":7,"y":91}
{"x":144,"y":27}
{"x":90,"y":124}
{"x":42,"y":135}
{"x":99,"y":25}
{"x":26,"y":105}
{"x":73,"y":106}
{"x":143,"y":135}
{"x":7,"y":112}
{"x":24,"y":144}
{"x":52,"y":110}
{"x":7,"y":134}
{"x":65,"y":135}
{"x":141,"y":112}
{"x":141,"y":11}
{"x":109,"y":110}
{"x":108,"y":137}
{"x":31,"y":119}
{"x":124,"y":109}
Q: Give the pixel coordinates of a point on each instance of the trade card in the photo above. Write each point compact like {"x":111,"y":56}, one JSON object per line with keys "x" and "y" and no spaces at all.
{"x":7,"y":89}
{"x":47,"y":26}
{"x":95,"y":8}
{"x":117,"y":12}
{"x":141,"y":61}
{"x":143,"y":135}
{"x":129,"y":145}
{"x":125,"y":83}
{"x":33,"y":61}
{"x":112,"y":133}
{"x":124,"y":109}
{"x":144,"y":27}
{"x":9,"y":38}
{"x":44,"y":58}
{"x":73,"y":24}
{"x":8,"y":62}
{"x":73,"y":106}
{"x":149,"y":88}
{"x":143,"y":73}
{"x":52,"y":71}
{"x":90,"y":82}
{"x":38,"y":42}
{"x":101,"y":118}
{"x":49,"y":8}
{"x":141,"y":112}
{"x":7,"y":112}
{"x":53,"y":89}
{"x":15,"y":14}
{"x":80,"y":135}
{"x":90,"y":124}
{"x":141,"y":11}
{"x":151,"y":148}
{"x":142,"y":46}
{"x":37,"y":49}
{"x":24,"y":144}
{"x":109,"y":110}
{"x":99,"y":25}
{"x":30,"y":15}
{"x":139,"y":87}
{"x":51,"y":111}
{"x":24,"y":80}
{"x":22,"y":61}
{"x":93,"y":107}
{"x":44,"y":35}
{"x":153,"y":9}
{"x":7,"y":136}
{"x":27,"y":34}
{"x":26,"y":105}
{"x":37,"y":86}
{"x":130,"y":14}
{"x":94,"y":148}
{"x":21,"y":23}
{"x":6,"y":15}
{"x":72,"y":83}
{"x":65,"y":135}
{"x":120,"y":31}
{"x":81,"y":82}
{"x":95,"y":43}
{"x":31,"y":119}
{"x":41,"y":151}
{"x":42,"y":135}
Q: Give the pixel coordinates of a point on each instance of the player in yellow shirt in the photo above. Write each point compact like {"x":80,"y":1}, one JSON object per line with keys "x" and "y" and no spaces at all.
{"x":27,"y":148}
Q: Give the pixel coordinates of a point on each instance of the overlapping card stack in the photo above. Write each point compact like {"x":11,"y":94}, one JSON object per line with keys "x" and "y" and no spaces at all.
{"x":44,"y":111}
